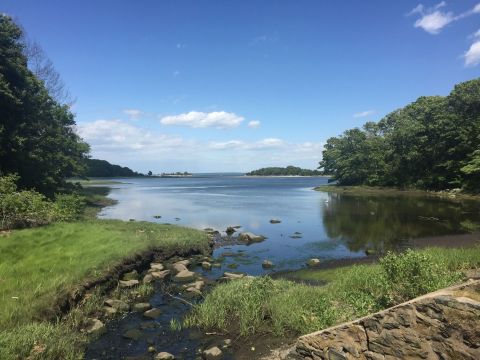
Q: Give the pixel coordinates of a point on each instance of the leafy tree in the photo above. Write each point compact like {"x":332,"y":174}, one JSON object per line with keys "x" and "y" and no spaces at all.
{"x":37,"y":137}
{"x":102,"y":168}
{"x":286,"y":171}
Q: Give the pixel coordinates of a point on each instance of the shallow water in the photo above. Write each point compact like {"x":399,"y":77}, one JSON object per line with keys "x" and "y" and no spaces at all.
{"x":332,"y":226}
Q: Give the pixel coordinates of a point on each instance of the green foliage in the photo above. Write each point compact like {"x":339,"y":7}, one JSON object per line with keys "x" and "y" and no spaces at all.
{"x":37,"y":136}
{"x":431,"y":143}
{"x":287,"y":171}
{"x":28,"y":208}
{"x":263,"y":305}
{"x":102,"y":168}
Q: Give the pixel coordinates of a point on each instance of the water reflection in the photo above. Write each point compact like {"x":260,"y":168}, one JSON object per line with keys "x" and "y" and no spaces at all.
{"x":389,"y":222}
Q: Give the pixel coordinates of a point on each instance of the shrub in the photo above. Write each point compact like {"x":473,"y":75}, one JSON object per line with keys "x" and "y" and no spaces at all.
{"x":68,"y":207}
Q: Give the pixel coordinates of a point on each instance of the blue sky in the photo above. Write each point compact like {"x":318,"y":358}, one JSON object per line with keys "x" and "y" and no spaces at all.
{"x":236,"y":85}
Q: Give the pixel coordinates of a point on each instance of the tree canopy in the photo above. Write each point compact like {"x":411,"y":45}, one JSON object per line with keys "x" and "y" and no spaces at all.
{"x":284,"y":171}
{"x":102,"y":168}
{"x":37,"y":136}
{"x":432,"y":143}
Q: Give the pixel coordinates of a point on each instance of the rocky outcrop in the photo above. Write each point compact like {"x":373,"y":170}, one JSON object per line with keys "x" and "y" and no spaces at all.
{"x":440,"y":325}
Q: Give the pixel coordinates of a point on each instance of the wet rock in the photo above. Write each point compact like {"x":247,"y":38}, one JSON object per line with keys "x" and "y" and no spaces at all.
{"x":249,"y":237}
{"x":217,"y":265}
{"x":214,"y":353}
{"x":147,"y":279}
{"x":177,"y":219}
{"x":152,"y":313}
{"x":231,"y":276}
{"x":157,"y":266}
{"x":160,"y":275}
{"x":157,"y":216}
{"x":109,"y":311}
{"x":141,"y":307}
{"x":148,"y":325}
{"x":193,"y":292}
{"x":232,"y":266}
{"x":313,"y":262}
{"x":275,"y":221}
{"x":132,"y":275}
{"x":133,"y":334}
{"x":164,"y":356}
{"x":295,"y":237}
{"x":94,"y":327}
{"x":151,"y":349}
{"x":227,"y":343}
{"x":206,"y":265}
{"x":267,"y":264}
{"x":184,"y":276}
{"x":230,"y":230}
{"x":117,"y":304}
{"x":127,"y":284}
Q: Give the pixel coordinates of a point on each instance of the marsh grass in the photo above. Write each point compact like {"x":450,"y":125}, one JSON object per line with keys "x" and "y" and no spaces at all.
{"x":262,"y":305}
{"x":38,"y":265}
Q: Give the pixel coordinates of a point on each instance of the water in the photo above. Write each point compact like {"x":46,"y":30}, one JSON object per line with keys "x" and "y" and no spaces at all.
{"x":332,"y":226}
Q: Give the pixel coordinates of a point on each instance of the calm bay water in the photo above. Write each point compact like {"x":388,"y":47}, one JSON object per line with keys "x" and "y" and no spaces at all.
{"x":332,"y":226}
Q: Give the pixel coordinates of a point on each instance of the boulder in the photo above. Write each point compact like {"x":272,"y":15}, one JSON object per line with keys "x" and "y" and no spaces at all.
{"x":164,"y":356}
{"x":109,"y":311}
{"x":313,"y":262}
{"x":214,"y":353}
{"x":160,"y":275}
{"x":127,"y":284}
{"x":147,"y":279}
{"x":184,"y":276}
{"x":141,"y":307}
{"x":206,"y":265}
{"x":152,"y":313}
{"x":157,"y":266}
{"x":94,"y":327}
{"x":230,"y":275}
{"x":197,"y":285}
{"x":179,"y":267}
{"x":132,"y":275}
{"x":117,"y":304}
{"x":249,"y":237}
{"x":267,"y":264}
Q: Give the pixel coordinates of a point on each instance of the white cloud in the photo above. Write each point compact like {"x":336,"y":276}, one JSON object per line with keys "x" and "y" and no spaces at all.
{"x":433,"y":19}
{"x":268,"y":143}
{"x":133,"y":114}
{"x":364,"y":113}
{"x":253,"y":124}
{"x":472,"y":56}
{"x":197,"y":119}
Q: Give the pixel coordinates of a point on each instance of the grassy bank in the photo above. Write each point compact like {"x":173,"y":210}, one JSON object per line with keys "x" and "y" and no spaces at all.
{"x":264,"y":305}
{"x":38,"y":265}
{"x":390,"y":191}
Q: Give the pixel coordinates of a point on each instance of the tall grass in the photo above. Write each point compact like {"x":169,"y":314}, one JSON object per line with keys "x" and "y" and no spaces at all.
{"x":250,"y":306}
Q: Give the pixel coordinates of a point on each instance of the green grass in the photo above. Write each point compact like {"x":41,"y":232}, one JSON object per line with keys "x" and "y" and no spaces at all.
{"x":39,"y":265}
{"x":262,"y":305}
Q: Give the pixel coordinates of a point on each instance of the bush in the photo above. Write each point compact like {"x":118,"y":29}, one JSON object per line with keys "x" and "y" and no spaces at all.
{"x":28,"y":208}
{"x":411,"y":274}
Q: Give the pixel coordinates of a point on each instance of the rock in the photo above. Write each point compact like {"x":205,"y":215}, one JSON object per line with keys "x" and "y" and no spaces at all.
{"x":94,"y":327}
{"x":133,"y":334}
{"x":132,"y":275}
{"x":227,"y":254}
{"x":152,"y":313}
{"x":233,"y":275}
{"x":128,"y":283}
{"x":196,"y":285}
{"x":118,"y":304}
{"x":237,"y":226}
{"x":164,"y":356}
{"x":160,"y":275}
{"x":147,"y":279}
{"x":249,"y":237}
{"x":295,"y":237}
{"x":214,"y":353}
{"x":227,"y":343}
{"x":157,"y":216}
{"x":206,"y":265}
{"x":151,"y":349}
{"x":313,"y":262}
{"x":193,"y":292}
{"x":275,"y":221}
{"x":157,"y":266}
{"x":230,"y":230}
{"x":232,"y":266}
{"x":109,"y":311}
{"x":184,"y":276}
{"x":141,"y":307}
{"x":266,"y":264}
{"x":217,"y":265}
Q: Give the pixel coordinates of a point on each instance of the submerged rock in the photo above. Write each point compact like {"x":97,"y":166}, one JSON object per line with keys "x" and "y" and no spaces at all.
{"x":214,"y":353}
{"x":249,"y":237}
{"x":313,"y":262}
{"x":141,"y":307}
{"x":152,"y":313}
{"x":94,"y":327}
{"x":133,"y":334}
{"x":206,"y":265}
{"x":117,"y":304}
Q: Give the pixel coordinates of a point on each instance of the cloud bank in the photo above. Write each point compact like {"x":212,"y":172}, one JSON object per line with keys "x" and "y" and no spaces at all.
{"x":197,"y":119}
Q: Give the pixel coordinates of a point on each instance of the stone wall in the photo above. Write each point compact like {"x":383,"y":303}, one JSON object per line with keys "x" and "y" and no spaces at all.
{"x":440,"y":325}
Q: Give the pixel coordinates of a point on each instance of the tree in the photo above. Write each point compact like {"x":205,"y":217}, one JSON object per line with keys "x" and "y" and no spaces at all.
{"x":37,"y":137}
{"x":150,"y":173}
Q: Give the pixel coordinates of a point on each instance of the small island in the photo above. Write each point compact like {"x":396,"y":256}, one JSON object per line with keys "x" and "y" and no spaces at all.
{"x":284,"y":171}
{"x":176,"y":174}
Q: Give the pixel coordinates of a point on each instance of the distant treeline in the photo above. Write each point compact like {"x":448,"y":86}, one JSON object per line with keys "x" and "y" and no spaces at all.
{"x":284,"y":171}
{"x":432,"y":143}
{"x":102,"y":168}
